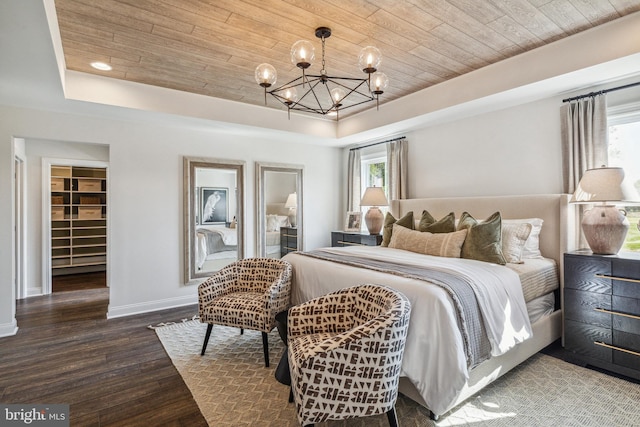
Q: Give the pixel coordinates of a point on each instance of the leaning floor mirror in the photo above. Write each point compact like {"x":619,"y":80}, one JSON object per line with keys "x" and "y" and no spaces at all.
{"x":213,"y":215}
{"x":279,"y":202}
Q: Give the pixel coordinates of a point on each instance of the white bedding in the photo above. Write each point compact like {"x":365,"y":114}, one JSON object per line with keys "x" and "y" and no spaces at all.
{"x":434,"y":335}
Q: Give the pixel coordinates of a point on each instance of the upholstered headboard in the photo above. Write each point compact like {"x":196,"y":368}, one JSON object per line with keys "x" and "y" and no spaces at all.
{"x":552,"y":208}
{"x":277,"y":209}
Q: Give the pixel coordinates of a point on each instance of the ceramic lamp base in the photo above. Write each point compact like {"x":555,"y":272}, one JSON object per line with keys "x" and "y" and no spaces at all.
{"x":374,"y":220}
{"x":605,"y":228}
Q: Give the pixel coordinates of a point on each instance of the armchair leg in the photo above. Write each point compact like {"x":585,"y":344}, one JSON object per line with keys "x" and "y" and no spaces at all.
{"x":265,"y":347}
{"x":241,"y":331}
{"x":393,"y":419}
{"x":206,"y":338}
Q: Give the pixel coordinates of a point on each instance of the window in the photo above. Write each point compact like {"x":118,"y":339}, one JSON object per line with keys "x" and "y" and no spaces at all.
{"x":373,"y":170}
{"x":624,"y":152}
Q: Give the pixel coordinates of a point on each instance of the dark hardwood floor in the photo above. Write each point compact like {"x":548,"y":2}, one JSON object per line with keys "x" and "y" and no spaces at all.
{"x":111,"y":372}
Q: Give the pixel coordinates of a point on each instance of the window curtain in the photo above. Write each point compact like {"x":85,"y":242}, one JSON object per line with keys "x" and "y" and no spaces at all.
{"x":585,"y":145}
{"x":397,"y":165}
{"x":354,"y":189}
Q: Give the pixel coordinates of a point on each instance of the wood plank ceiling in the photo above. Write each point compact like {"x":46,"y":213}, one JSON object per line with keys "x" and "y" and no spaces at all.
{"x":212,"y":47}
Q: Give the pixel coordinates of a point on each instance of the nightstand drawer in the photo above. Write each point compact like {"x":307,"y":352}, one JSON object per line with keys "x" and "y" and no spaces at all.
{"x":581,"y":306}
{"x":344,"y":238}
{"x":581,"y":338}
{"x":582,"y":273}
{"x":629,"y":353}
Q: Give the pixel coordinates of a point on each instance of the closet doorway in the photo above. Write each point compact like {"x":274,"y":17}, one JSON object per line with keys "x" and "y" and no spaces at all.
{"x":76,"y":247}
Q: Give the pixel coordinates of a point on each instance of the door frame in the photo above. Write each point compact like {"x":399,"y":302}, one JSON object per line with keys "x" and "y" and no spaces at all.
{"x":20,"y":227}
{"x":46,"y":213}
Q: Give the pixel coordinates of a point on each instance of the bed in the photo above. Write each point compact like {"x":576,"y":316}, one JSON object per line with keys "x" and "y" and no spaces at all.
{"x":442,"y":364}
{"x":215,"y":242}
{"x":276,"y":217}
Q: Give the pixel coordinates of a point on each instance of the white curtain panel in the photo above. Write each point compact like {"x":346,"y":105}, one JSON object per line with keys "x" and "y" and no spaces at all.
{"x":585,"y":144}
{"x":354,"y":189}
{"x":397,"y":164}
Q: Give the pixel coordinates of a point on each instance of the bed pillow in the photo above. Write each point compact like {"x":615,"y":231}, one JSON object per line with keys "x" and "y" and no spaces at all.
{"x":283,"y":221}
{"x":423,"y":242}
{"x":532,"y":245}
{"x":484,"y":239}
{"x":445,"y":225}
{"x":514,"y":237}
{"x":272,"y":223}
{"x":389,"y":220}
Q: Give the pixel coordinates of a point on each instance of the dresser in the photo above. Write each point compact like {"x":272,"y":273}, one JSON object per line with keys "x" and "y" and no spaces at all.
{"x":350,"y":238}
{"x":602,"y":310}
{"x":288,"y":240}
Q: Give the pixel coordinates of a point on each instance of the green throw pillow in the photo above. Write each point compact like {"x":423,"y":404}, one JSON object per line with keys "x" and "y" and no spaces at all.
{"x":389,"y":220}
{"x":444,"y":225}
{"x":484,"y":239}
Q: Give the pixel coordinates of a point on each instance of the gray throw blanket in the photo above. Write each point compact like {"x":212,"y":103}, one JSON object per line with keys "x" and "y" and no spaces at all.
{"x":459,"y":288}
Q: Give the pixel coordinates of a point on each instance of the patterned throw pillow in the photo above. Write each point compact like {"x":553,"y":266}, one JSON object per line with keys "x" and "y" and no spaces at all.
{"x":444,"y":225}
{"x":424,"y":242}
{"x":389,"y":220}
{"x":484,"y":239}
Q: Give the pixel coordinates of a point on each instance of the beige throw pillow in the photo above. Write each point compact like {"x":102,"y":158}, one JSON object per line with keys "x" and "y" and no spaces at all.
{"x":423,"y":242}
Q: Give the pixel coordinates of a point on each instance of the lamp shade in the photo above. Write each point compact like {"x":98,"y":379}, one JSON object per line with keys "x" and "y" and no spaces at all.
{"x":374,"y":196}
{"x":292,"y":201}
{"x":603,"y":185}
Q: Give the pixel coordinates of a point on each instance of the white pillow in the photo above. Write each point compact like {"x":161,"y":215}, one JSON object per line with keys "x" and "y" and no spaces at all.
{"x":283,"y":221}
{"x":514,"y":237}
{"x":532,"y":245}
{"x":272,"y":223}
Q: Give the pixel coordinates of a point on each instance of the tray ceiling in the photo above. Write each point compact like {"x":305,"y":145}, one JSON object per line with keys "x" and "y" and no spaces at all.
{"x":211,"y":47}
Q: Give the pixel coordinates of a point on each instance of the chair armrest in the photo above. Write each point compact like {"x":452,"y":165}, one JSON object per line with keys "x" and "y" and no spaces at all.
{"x":278,"y":295}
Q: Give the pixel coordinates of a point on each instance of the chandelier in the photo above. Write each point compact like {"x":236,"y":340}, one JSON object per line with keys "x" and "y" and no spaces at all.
{"x":324,"y":94}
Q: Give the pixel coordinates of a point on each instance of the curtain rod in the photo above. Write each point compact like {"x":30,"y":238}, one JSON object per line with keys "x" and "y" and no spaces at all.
{"x":600,"y":92}
{"x":377,"y":143}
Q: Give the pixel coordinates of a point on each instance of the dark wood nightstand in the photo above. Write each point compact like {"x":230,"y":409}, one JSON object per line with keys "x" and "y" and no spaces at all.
{"x":602,"y":310}
{"x":288,"y":240}
{"x":351,"y":238}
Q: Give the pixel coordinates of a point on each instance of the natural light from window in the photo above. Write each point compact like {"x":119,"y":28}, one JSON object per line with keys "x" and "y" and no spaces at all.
{"x":624,"y":152}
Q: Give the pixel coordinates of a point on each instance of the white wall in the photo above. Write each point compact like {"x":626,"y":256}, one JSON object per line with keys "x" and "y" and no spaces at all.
{"x":146,"y":243}
{"x":511,"y":151}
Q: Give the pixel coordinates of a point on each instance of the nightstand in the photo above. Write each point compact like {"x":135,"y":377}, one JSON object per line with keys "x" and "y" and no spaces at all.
{"x":602,"y":310}
{"x":350,"y":238}
{"x":288,"y":240}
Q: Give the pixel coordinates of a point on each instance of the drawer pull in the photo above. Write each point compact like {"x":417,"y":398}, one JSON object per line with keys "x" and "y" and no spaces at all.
{"x":623,"y":279}
{"x":617,"y":313}
{"x":601,"y":344}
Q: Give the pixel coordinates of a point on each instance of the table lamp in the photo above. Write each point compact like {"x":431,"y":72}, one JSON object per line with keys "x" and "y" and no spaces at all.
{"x":374,"y":197}
{"x":292,"y":204}
{"x":605,"y":226}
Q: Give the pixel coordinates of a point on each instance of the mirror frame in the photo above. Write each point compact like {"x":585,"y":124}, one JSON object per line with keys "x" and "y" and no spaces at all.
{"x":261,"y":226}
{"x":191,"y":277}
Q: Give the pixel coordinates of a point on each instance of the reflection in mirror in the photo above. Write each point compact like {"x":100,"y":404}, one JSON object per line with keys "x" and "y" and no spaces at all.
{"x":213,"y":215}
{"x":279,"y":202}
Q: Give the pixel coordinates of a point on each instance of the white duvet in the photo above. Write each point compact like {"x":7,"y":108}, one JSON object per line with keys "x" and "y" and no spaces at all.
{"x":434,"y":358}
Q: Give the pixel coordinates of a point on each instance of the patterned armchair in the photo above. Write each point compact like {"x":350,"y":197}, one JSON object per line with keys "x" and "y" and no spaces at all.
{"x":345,"y":353}
{"x":246,"y":294}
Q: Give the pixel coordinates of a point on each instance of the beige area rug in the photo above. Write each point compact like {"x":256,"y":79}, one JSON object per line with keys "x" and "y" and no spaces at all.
{"x":233,"y":388}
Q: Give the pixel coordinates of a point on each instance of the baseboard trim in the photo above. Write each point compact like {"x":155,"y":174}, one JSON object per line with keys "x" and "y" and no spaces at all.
{"x":146,"y":307}
{"x":9,"y":329}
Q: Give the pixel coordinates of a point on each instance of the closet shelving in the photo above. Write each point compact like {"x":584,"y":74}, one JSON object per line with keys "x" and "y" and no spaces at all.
{"x":78,"y":219}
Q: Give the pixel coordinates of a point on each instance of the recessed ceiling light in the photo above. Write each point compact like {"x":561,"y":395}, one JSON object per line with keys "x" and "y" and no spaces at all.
{"x":101,"y":66}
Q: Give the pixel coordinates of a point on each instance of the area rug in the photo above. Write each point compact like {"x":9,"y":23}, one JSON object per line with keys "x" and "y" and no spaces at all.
{"x":233,"y":388}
